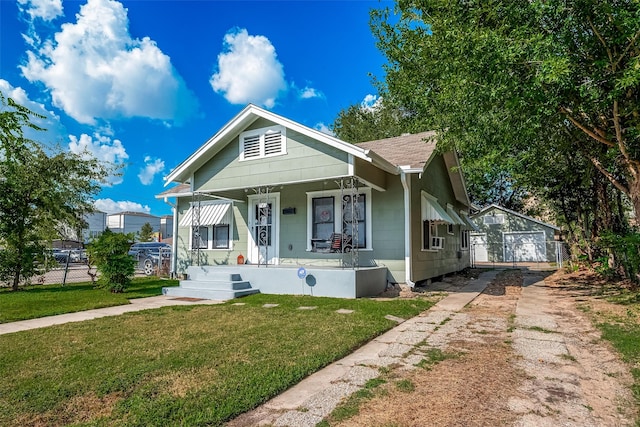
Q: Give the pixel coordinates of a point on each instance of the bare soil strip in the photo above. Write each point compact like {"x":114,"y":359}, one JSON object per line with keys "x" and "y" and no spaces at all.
{"x":527,"y":357}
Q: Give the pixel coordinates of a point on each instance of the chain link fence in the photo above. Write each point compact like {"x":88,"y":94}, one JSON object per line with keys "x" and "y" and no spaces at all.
{"x":551,"y":254}
{"x":72,"y":266}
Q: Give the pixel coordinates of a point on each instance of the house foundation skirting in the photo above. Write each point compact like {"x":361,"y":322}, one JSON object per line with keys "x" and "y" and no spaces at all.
{"x":326,"y":282}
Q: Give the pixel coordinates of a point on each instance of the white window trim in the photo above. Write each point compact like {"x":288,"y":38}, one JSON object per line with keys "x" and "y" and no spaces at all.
{"x":261,"y":134}
{"x":463,"y":240}
{"x":433,"y":232}
{"x":210,"y":239}
{"x":337,"y":206}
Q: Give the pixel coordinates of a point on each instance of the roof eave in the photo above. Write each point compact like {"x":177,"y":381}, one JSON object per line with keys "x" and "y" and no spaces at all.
{"x":518,"y":214}
{"x":249,"y":114}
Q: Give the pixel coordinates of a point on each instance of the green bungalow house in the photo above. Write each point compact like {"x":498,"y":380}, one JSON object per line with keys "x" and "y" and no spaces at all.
{"x":271,"y":205}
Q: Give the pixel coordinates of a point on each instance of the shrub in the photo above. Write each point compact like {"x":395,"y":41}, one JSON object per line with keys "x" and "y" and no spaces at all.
{"x":109,"y":253}
{"x":624,"y":256}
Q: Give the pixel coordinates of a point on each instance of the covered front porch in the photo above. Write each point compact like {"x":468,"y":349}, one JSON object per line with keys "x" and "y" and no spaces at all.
{"x":230,"y":281}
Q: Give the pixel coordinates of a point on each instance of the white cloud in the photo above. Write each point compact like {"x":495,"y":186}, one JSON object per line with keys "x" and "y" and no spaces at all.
{"x":248,"y":70}
{"x":323,"y":128}
{"x":110,"y":206}
{"x":55,"y":131}
{"x":46,"y":10}
{"x":94,"y":69}
{"x":309,"y":92}
{"x":371,"y":102}
{"x":150,"y":169}
{"x":102,"y":148}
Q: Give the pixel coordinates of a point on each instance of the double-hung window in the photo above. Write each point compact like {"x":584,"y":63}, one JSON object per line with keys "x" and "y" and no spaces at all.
{"x":210,"y":224}
{"x":354,"y":219}
{"x":200,"y":237}
{"x":464,"y":239}
{"x":333,"y":213}
{"x":430,"y":239}
{"x":263,"y":142}
{"x":221,"y":236}
{"x":432,"y":215}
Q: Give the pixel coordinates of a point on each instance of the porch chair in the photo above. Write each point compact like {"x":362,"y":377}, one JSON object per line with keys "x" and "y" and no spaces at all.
{"x":341,"y":242}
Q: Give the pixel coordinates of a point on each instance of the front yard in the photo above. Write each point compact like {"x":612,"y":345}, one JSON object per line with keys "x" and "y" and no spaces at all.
{"x":36,"y":301}
{"x":187,"y":365}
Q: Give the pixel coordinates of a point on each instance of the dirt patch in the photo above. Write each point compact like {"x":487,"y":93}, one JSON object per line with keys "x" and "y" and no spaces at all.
{"x":491,"y":383}
{"x":78,"y":409}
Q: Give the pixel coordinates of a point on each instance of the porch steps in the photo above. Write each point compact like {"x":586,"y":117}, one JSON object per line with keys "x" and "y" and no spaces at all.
{"x":209,"y":283}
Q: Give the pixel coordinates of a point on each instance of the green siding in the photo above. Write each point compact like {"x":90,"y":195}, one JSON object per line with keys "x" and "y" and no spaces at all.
{"x":217,"y":256}
{"x":430,"y":264}
{"x":306,"y":160}
{"x":387,"y":223}
{"x":305,"y":168}
{"x":370,"y":173}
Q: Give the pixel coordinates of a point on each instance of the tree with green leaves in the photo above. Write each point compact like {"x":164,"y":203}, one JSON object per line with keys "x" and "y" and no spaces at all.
{"x":146,"y":233}
{"x":40,"y":188}
{"x":110,"y":254}
{"x":383,"y":119}
{"x":487,"y":182}
{"x":516,"y":85}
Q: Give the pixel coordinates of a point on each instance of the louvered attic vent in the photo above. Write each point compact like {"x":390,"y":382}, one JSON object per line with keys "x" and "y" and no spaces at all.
{"x":263,"y":142}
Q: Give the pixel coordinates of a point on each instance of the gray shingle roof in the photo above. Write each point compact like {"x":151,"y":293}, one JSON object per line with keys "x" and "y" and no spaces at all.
{"x":412,"y":150}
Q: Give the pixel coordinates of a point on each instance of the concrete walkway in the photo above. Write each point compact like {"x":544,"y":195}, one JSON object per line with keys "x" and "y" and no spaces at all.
{"x":308,"y":402}
{"x":315,"y":397}
{"x":137,"y":304}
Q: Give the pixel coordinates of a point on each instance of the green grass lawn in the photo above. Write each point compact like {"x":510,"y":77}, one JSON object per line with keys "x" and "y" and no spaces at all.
{"x":45,"y":300}
{"x":623,"y":331}
{"x":184,"y":365}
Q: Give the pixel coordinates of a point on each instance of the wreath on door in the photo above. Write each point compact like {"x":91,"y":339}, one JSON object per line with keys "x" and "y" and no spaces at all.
{"x":325,"y":215}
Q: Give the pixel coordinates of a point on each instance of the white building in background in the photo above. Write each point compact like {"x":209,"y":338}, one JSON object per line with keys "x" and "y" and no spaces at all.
{"x":166,"y":227}
{"x":96,"y":224}
{"x":132,"y":222}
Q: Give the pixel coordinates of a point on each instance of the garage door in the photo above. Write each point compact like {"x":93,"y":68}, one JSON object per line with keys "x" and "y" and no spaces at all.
{"x":525,"y":247}
{"x":479,"y":248}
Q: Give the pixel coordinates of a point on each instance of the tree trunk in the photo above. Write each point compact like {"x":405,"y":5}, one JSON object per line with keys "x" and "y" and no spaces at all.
{"x":16,"y":278}
{"x":635,"y":201}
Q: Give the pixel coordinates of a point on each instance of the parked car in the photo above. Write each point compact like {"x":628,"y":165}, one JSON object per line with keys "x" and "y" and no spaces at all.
{"x":149,"y":254}
{"x":60,"y":255}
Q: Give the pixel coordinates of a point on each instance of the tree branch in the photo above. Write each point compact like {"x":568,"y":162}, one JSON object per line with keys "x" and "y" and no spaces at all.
{"x":621,"y":145}
{"x":604,"y":44}
{"x":626,"y":49}
{"x":616,"y":183}
{"x":583,"y":128}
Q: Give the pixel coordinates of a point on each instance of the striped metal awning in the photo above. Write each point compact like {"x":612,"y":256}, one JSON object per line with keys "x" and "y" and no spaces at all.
{"x":210,"y":214}
{"x":470,"y":224}
{"x":434,"y":212}
{"x":455,"y":217}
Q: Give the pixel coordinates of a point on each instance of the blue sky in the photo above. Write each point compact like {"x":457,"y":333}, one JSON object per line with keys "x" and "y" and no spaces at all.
{"x":144,"y":83}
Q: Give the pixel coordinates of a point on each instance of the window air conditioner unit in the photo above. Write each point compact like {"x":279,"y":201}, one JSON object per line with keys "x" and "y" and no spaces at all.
{"x":437,"y":242}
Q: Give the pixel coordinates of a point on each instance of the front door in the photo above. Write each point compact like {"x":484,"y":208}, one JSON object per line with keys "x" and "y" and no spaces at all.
{"x":264,"y":222}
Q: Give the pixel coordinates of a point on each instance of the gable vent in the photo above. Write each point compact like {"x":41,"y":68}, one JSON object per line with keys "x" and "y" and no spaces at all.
{"x":272,"y":143}
{"x":251,"y":146}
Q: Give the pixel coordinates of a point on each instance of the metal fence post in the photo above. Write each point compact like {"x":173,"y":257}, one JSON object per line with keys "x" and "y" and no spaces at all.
{"x":66,"y":269}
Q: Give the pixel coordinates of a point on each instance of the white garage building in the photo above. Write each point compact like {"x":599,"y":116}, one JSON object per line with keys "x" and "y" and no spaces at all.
{"x":507,"y":236}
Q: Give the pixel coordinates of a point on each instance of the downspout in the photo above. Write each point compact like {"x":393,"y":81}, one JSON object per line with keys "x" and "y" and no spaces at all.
{"x":174,"y":242}
{"x":406,"y":185}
